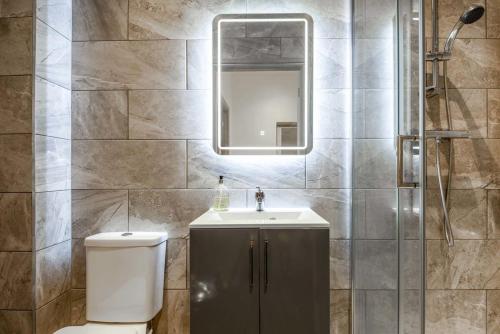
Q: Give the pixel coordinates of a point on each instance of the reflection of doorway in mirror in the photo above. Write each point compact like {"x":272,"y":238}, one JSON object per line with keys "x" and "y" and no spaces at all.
{"x":286,"y":134}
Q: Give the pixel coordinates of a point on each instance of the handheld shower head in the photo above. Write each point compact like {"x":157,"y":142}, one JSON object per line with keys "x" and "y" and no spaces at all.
{"x":470,"y":15}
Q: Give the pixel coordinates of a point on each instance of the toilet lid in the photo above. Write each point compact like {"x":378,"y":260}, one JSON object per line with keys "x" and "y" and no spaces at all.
{"x":92,"y":328}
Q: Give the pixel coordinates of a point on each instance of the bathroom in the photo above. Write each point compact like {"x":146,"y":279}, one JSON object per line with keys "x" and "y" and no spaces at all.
{"x":110,"y":122}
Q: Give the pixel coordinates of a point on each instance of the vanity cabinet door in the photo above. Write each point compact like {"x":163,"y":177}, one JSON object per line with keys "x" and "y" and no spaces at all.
{"x":224,"y":281}
{"x":294,"y":293}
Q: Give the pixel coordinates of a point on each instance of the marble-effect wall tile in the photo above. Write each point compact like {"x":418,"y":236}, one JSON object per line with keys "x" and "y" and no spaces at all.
{"x":173,"y":210}
{"x":100,"y":20}
{"x":15,"y":169}
{"x":78,"y":264}
{"x":373,"y":63}
{"x":15,"y":222}
{"x":16,"y":8}
{"x":15,"y":104}
{"x":205,"y":166}
{"x":331,"y":59}
{"x":449,"y":12}
{"x":381,"y":311}
{"x":329,"y":164}
{"x":97,"y":211}
{"x":53,"y":55}
{"x":170,"y":114}
{"x":176,"y":264}
{"x":53,"y":272}
{"x":52,"y":109}
{"x":53,"y":218}
{"x":374,"y":19}
{"x":251,"y":50}
{"x":199,"y":66}
{"x":474,"y":64}
{"x":493,"y":214}
{"x":129,"y":65}
{"x":52,"y":163}
{"x":340,"y":264}
{"x":493,"y":19}
{"x":375,"y":214}
{"x":494,"y":113}
{"x":374,"y":117}
{"x":332,"y":114}
{"x":109,"y":164}
{"x":410,"y":320}
{"x":470,"y":264}
{"x":493,"y":311}
{"x":476,"y":164}
{"x":16,"y":46}
{"x":56,"y":14}
{"x":340,"y":312}
{"x":54,"y":315}
{"x":374,"y":163}
{"x":20,"y":322}
{"x":375,"y":311}
{"x":157,"y":19}
{"x":410,"y":264}
{"x":177,"y":302}
{"x":465,"y":311}
{"x":78,"y":307}
{"x":15,"y":280}
{"x":376,"y":264}
{"x":467,"y":213}
{"x":331,"y":19}
{"x":99,"y":115}
{"x":467,"y":109}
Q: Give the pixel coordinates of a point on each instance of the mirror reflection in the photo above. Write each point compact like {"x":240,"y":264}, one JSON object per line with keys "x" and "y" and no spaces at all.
{"x":262,"y":96}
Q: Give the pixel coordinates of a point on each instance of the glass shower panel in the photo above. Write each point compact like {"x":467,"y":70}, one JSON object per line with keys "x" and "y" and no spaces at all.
{"x":387,"y":233}
{"x":410,"y":214}
{"x":375,"y":208}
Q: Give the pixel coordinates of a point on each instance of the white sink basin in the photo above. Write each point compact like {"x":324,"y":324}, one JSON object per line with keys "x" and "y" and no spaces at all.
{"x":249,"y":218}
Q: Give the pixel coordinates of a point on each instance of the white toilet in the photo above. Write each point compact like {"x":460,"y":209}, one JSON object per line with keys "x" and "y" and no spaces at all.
{"x":125,"y":274}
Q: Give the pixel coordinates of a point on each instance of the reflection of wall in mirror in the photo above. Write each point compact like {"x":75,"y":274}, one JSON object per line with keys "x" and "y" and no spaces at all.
{"x":257,"y":101}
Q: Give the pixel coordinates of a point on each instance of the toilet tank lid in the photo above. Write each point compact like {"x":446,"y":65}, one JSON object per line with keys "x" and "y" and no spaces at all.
{"x":126,"y":239}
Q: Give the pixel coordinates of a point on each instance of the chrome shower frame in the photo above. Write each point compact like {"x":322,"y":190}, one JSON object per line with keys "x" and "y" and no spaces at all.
{"x":435,"y":56}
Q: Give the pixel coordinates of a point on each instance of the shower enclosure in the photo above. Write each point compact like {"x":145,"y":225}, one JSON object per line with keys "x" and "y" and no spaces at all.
{"x":388,"y":167}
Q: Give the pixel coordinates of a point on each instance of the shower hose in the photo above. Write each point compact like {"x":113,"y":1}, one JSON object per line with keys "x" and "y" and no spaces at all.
{"x":445,"y":195}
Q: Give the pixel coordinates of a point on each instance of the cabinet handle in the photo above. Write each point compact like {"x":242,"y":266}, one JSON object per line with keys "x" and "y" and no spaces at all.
{"x":250,"y":264}
{"x":266,"y":264}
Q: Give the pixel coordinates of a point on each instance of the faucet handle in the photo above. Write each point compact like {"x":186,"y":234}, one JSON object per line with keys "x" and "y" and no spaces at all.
{"x":259,"y":195}
{"x":259,"y":199}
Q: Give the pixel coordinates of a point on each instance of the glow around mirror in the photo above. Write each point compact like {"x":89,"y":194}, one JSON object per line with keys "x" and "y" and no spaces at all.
{"x":306,"y":84}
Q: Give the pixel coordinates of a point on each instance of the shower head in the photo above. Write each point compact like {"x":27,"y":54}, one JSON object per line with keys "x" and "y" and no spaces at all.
{"x":470,"y":15}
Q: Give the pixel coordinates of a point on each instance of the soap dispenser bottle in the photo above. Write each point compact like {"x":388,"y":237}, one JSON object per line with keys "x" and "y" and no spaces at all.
{"x":221,"y":201}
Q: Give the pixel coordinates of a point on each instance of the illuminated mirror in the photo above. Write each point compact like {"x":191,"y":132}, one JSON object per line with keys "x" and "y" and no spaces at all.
{"x":262,"y":84}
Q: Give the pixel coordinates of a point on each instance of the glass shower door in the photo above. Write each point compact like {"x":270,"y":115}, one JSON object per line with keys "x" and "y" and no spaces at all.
{"x":387,"y":240}
{"x":411,"y":168}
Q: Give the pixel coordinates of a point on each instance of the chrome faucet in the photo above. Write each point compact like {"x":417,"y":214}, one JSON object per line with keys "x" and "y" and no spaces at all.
{"x":259,"y":200}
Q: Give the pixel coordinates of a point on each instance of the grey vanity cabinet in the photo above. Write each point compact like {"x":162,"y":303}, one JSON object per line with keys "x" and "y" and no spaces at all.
{"x":224,"y":291}
{"x":267,"y":281}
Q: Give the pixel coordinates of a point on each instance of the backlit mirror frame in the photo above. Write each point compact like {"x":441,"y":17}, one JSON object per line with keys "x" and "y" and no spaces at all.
{"x":307,"y":83}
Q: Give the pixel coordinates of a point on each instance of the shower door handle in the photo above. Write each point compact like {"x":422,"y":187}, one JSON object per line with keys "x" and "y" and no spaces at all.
{"x":400,"y":162}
